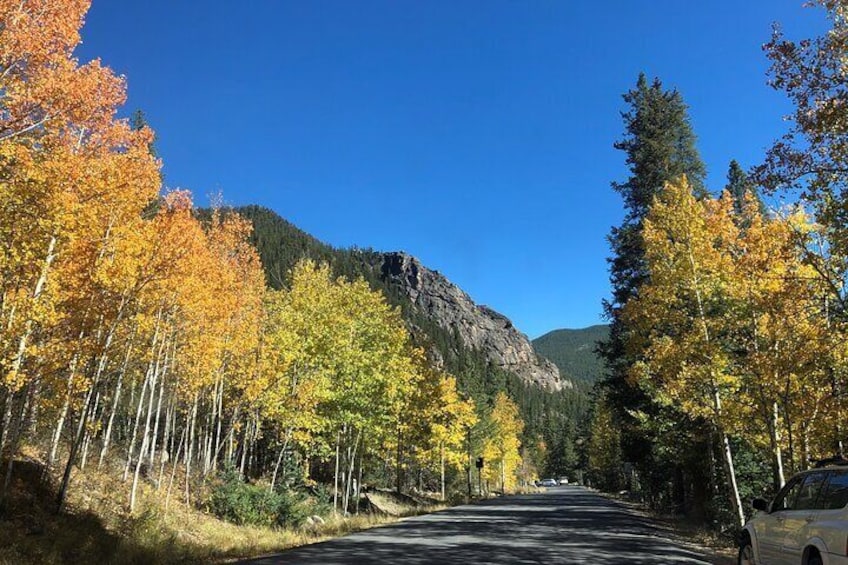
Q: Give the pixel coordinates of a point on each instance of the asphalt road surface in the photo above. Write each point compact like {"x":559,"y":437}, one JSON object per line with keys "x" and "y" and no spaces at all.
{"x":563,"y":525}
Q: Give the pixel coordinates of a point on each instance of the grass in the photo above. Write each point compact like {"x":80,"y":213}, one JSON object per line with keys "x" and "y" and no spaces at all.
{"x":97,"y":527}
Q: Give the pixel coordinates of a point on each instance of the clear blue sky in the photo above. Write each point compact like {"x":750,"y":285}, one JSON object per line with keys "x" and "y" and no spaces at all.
{"x":475,"y":135}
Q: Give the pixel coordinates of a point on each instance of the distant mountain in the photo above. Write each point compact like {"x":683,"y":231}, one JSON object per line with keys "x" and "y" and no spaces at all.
{"x":573,"y":351}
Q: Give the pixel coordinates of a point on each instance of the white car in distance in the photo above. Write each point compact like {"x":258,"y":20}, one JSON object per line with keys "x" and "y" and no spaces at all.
{"x":805,"y":524}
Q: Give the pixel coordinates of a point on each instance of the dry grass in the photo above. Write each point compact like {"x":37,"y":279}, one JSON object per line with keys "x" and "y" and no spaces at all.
{"x":97,"y":527}
{"x":528,"y":489}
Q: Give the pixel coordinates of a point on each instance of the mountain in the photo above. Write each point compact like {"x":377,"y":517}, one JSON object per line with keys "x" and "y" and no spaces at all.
{"x":573,"y":351}
{"x":479,"y":327}
{"x":474,"y":342}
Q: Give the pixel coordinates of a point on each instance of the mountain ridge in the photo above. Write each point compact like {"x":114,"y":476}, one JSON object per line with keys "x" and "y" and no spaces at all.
{"x":573,"y":351}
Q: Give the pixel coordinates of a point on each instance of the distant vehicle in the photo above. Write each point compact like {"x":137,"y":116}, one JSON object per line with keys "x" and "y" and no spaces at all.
{"x":805,"y":524}
{"x":563,"y":480}
{"x":548,"y":483}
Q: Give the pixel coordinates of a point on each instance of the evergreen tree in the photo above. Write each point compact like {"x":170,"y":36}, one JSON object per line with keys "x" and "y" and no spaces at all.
{"x":660,"y":147}
{"x":138,"y":122}
{"x":738,"y":185}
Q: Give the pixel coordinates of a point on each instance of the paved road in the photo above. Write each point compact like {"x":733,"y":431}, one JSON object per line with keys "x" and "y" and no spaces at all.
{"x":565,"y":525}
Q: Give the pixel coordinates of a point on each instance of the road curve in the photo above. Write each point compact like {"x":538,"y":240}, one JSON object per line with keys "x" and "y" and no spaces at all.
{"x":563,"y":525}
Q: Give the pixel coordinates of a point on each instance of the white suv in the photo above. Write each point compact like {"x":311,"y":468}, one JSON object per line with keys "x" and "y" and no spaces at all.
{"x":806,"y":523}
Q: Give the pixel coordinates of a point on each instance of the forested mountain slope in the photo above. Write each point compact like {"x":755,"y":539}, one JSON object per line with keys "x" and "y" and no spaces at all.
{"x":573,"y":351}
{"x":477,"y":345}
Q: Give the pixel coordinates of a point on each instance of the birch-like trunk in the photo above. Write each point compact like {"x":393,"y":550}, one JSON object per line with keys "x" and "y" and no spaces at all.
{"x":244,"y":443}
{"x":777,"y":454}
{"x":86,"y":441}
{"x":503,"y":477}
{"x":189,"y":450}
{"x":220,"y":414}
{"x":63,"y":414}
{"x":152,"y":455}
{"x":66,"y":476}
{"x":107,"y":437}
{"x":280,"y":459}
{"x":442,"y":467}
{"x":790,"y":432}
{"x":398,"y":475}
{"x":148,"y":375}
{"x":13,"y":448}
{"x":7,"y":417}
{"x":167,"y":448}
{"x":145,"y":443}
{"x":134,"y":433}
{"x":359,"y":475}
{"x":183,"y":441}
{"x":718,"y":414}
{"x":351,"y":460}
{"x":730,"y":471}
{"x":18,"y":359}
{"x":336,"y":477}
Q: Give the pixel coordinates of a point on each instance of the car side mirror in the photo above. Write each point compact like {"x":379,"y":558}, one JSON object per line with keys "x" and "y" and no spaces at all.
{"x":760,"y":504}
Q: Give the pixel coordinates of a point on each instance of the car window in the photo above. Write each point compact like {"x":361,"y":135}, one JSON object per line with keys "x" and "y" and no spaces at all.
{"x":808,"y":495}
{"x":785,"y":499}
{"x":835,"y":494}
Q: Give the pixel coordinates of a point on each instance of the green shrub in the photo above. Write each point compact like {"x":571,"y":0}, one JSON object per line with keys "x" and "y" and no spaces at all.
{"x":243,"y":503}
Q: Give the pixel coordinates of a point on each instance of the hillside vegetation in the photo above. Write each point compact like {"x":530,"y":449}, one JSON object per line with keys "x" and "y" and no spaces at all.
{"x":575,"y":351}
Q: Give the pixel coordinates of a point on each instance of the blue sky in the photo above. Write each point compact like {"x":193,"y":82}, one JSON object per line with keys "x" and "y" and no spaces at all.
{"x":475,"y":135}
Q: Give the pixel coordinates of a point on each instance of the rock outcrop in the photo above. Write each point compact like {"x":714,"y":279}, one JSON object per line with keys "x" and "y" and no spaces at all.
{"x":479,"y":327}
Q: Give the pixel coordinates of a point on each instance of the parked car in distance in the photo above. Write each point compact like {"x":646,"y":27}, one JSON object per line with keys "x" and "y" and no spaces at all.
{"x":563,"y":480}
{"x":548,"y":483}
{"x":805,"y":524}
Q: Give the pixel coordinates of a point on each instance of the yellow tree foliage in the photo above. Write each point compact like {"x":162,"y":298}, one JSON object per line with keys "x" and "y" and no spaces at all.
{"x":74,"y":177}
{"x":299,"y":340}
{"x":436,"y":422}
{"x":678,"y":316}
{"x":501,"y":454}
{"x":778,"y":324}
{"x":604,"y":449}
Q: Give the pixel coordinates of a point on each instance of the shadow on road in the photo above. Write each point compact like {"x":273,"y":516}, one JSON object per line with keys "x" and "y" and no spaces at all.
{"x":564,"y":525}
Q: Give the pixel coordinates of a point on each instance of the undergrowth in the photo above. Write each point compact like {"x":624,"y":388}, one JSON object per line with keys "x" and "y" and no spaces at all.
{"x":97,"y":527}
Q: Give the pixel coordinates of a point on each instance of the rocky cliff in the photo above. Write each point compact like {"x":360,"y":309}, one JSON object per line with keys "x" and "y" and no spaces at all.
{"x":479,"y":327}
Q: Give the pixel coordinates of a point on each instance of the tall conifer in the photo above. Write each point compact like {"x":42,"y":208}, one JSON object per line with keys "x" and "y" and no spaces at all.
{"x":660,"y":147}
{"x":738,"y":185}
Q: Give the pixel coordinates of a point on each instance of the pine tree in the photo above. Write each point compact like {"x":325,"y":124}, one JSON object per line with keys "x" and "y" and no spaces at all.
{"x":660,"y":148}
{"x":739,"y":185}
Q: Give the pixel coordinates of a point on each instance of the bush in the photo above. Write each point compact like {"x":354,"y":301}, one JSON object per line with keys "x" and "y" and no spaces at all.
{"x":242,"y":503}
{"x":320,"y":499}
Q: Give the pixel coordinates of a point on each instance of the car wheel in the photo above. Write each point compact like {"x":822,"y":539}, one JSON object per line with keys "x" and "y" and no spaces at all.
{"x":746,"y":553}
{"x":815,"y":559}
